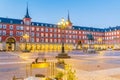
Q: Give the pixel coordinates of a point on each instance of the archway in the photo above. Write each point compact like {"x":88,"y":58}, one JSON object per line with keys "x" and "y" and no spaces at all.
{"x":10,"y":44}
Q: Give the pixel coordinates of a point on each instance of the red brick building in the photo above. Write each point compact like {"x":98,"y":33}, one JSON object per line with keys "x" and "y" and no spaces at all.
{"x":45,"y":36}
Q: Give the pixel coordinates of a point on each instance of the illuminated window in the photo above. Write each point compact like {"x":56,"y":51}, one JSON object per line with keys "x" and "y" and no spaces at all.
{"x":46,"y":35}
{"x":37,"y":29}
{"x":59,"y":30}
{"x":51,"y":40}
{"x":42,"y":29}
{"x":50,"y":35}
{"x":37,"y":40}
{"x":27,"y":28}
{"x":58,"y":35}
{"x":33,"y":28}
{"x":46,"y":40}
{"x":42,"y":34}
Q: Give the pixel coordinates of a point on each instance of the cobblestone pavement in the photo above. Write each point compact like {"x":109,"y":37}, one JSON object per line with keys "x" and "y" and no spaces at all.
{"x":104,"y":65}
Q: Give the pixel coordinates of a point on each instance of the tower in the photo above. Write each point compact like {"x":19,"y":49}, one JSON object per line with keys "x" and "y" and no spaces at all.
{"x":27,"y":18}
{"x":68,"y":22}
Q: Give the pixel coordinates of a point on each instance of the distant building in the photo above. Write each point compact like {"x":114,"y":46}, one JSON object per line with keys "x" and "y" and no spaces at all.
{"x":45,"y":36}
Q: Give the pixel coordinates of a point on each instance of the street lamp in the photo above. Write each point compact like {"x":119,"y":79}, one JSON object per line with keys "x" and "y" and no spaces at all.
{"x":25,"y":36}
{"x":62,"y":25}
{"x":100,"y":41}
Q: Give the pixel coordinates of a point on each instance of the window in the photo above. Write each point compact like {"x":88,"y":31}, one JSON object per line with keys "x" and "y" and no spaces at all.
{"x":42,"y":40}
{"x":27,"y":28}
{"x":21,"y":33}
{"x":32,"y":34}
{"x":46,"y":35}
{"x":51,"y":40}
{"x":4,"y":32}
{"x":37,"y":34}
{"x":11,"y":33}
{"x":66,"y":31}
{"x":42,"y":34}
{"x":51,"y":30}
{"x":32,"y":39}
{"x":59,"y":30}
{"x":46,"y":40}
{"x":46,"y":30}
{"x":55,"y":30}
{"x":4,"y":26}
{"x":55,"y":35}
{"x":55,"y":40}
{"x":37,"y":40}
{"x":0,"y":26}
{"x":58,"y":35}
{"x":21,"y":28}
{"x":59,"y":40}
{"x":0,"y":32}
{"x":27,"y":22}
{"x":11,"y":27}
{"x":37,"y":29}
{"x":21,"y":39}
{"x":17,"y":27}
{"x":50,"y":35}
{"x":17,"y":33}
{"x":41,"y":24}
{"x":0,"y":39}
{"x":33,"y":28}
{"x":42,"y":29}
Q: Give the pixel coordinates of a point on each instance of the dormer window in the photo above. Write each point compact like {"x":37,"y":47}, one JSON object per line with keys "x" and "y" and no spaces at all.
{"x":0,"y":20}
{"x":21,"y":22}
{"x":41,"y":24}
{"x":37,"y":24}
{"x":11,"y":21}
{"x":32,"y":24}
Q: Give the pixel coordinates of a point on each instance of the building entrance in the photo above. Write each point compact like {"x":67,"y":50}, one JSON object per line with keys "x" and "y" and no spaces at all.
{"x":10,"y":44}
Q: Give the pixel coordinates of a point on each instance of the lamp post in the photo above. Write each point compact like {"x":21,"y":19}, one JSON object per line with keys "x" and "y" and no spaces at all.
{"x":100,"y":41}
{"x":25,"y":36}
{"x":62,"y":25}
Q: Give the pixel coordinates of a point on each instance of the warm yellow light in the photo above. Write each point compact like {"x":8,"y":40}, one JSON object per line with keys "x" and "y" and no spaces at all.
{"x":99,"y":39}
{"x":40,"y":65}
{"x":25,"y":36}
{"x":67,"y":22}
{"x":58,"y":23}
{"x":63,"y":20}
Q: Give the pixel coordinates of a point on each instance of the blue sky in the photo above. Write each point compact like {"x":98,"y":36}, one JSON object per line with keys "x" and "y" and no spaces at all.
{"x":92,"y":13}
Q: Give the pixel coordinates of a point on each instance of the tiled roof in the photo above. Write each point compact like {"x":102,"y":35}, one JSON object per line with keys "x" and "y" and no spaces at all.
{"x":88,"y":28}
{"x":20,"y":21}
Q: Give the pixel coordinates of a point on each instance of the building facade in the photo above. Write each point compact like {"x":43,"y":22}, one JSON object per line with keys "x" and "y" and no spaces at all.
{"x":45,"y":36}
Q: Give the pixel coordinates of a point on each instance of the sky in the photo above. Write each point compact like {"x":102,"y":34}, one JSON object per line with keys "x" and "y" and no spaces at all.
{"x":90,"y":13}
